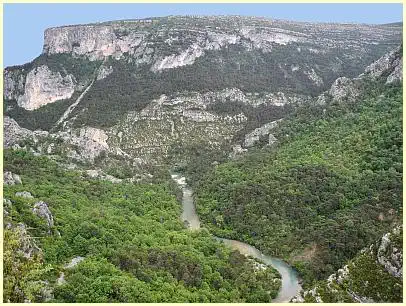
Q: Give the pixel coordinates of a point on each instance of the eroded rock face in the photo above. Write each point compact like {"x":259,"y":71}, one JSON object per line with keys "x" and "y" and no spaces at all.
{"x":348,"y":89}
{"x":11,"y":178}
{"x":41,"y":209}
{"x":314,"y":77}
{"x":104,"y":72}
{"x":187,"y":57}
{"x":44,"y":86}
{"x":214,"y":41}
{"x":14,"y":133}
{"x":390,"y":256}
{"x":390,"y":63}
{"x":14,"y":82}
{"x":89,"y":142}
{"x":397,"y":74}
{"x":261,"y":38}
{"x":254,"y":136}
{"x":94,"y":41}
{"x":28,"y":247}
{"x":6,"y":207}
{"x":345,"y":88}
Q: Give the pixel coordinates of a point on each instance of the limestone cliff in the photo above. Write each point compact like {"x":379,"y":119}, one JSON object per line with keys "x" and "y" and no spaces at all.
{"x":294,"y":52}
{"x":159,"y":88}
{"x":42,"y":86}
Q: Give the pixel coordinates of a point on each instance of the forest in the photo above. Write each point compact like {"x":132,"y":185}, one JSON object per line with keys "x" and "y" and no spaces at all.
{"x":135,"y":247}
{"x":330,"y":186}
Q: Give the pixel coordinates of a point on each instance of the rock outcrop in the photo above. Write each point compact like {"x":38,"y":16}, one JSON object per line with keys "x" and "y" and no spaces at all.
{"x":104,"y":72}
{"x":88,"y":142}
{"x":11,"y":178}
{"x":14,"y":133}
{"x":24,"y":194}
{"x":214,"y":41}
{"x":41,"y":209}
{"x":14,"y":82}
{"x":254,"y":136}
{"x":94,"y":41}
{"x":389,"y":255}
{"x":345,"y":89}
{"x":6,"y":207}
{"x":389,"y":66}
{"x":28,"y":247}
{"x":356,"y":281}
{"x":44,"y":86}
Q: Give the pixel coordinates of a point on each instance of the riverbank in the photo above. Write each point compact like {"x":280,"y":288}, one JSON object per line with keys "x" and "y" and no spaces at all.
{"x":290,"y":286}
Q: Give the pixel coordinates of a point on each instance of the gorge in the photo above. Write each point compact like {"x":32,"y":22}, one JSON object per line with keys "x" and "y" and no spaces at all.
{"x":289,"y":134}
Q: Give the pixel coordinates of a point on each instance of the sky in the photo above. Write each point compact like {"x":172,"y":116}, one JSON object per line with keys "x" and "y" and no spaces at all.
{"x":24,"y":24}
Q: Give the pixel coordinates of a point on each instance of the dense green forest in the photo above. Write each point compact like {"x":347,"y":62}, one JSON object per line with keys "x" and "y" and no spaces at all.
{"x":331,"y":185}
{"x":136,"y":249}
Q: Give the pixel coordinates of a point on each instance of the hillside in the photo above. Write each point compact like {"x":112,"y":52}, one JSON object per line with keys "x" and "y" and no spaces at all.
{"x":189,"y":81}
{"x":289,"y":133}
{"x":71,"y":238}
{"x":329,"y":184}
{"x":374,"y":275}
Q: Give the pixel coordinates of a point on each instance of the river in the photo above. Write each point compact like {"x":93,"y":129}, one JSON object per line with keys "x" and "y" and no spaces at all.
{"x":290,"y":281}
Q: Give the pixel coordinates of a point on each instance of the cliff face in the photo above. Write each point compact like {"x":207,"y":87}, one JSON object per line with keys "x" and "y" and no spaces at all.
{"x":308,"y":53}
{"x":165,"y":85}
{"x":96,"y":42}
{"x":43,"y":86}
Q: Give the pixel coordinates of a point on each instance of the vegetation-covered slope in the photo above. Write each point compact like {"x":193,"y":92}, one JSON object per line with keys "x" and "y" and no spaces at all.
{"x":135,"y":247}
{"x":331,"y":186}
{"x":374,"y":275}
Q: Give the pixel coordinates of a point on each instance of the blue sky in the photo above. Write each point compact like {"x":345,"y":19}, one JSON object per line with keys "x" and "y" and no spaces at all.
{"x":24,"y":24}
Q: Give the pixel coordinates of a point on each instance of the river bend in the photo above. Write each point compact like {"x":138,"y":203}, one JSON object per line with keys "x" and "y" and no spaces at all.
{"x":290,"y":282}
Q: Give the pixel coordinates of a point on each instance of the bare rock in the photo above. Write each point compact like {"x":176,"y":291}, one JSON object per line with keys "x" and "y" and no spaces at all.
{"x":41,"y":209}
{"x":238,"y":150}
{"x":11,"y":178}
{"x":14,"y":81}
{"x":28,"y":246}
{"x":397,"y":74}
{"x":214,"y":41}
{"x":272,"y":139}
{"x":254,"y":136}
{"x":94,"y":41}
{"x":390,"y":256}
{"x":389,"y":64}
{"x":104,"y":72}
{"x":6,"y":207}
{"x":345,"y":88}
{"x":14,"y":133}
{"x":44,"y":86}
{"x":24,"y":194}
